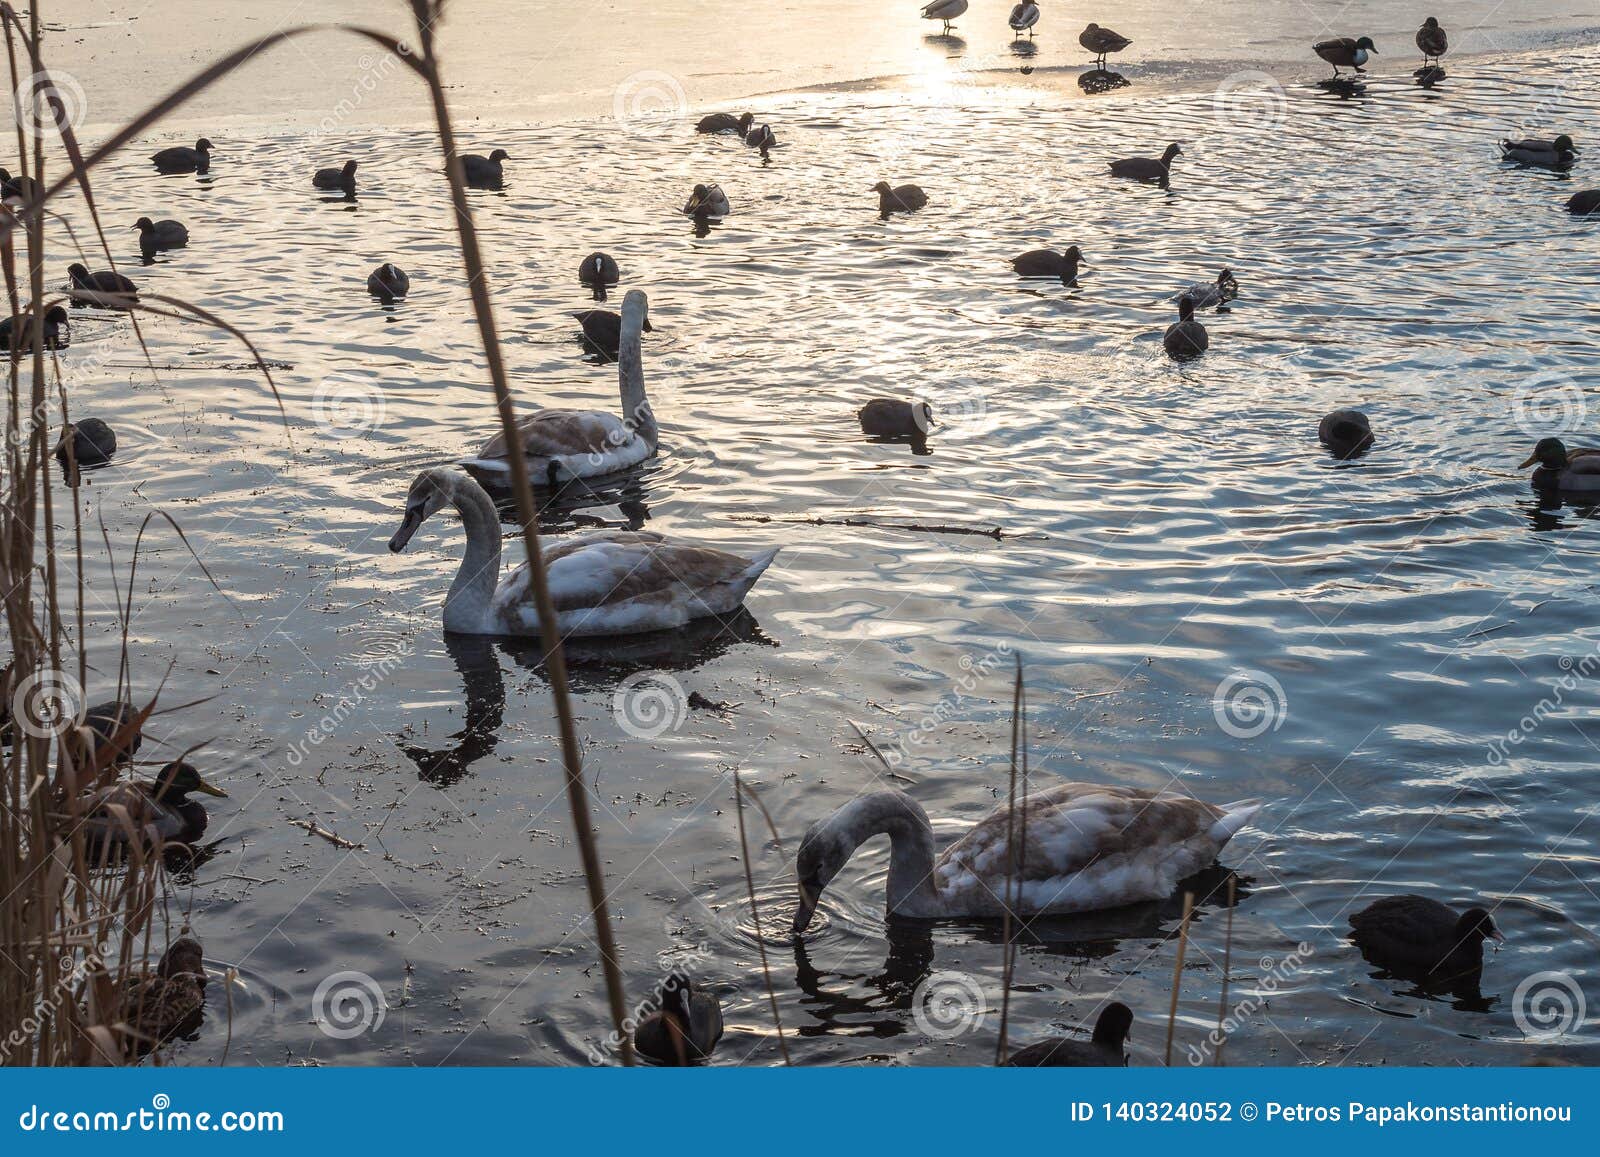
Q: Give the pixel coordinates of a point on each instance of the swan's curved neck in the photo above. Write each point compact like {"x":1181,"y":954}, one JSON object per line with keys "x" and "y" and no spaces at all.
{"x":911,"y":887}
{"x":467,"y":607}
{"x":636,"y":410}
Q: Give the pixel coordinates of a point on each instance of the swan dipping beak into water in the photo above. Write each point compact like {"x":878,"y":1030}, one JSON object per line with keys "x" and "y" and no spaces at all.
{"x":1088,"y":846}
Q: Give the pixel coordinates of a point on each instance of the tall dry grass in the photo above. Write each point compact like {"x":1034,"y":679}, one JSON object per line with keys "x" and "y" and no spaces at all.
{"x":60,"y":920}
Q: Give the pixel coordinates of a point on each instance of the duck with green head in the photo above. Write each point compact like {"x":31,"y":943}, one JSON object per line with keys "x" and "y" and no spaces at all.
{"x":1564,"y":469}
{"x":149,"y":813}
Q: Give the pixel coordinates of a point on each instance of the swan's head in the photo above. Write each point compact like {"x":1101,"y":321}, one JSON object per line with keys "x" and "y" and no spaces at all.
{"x":636,"y":304}
{"x":429,"y":494}
{"x":1551,"y":453}
{"x":824,"y":851}
{"x":1476,"y":926}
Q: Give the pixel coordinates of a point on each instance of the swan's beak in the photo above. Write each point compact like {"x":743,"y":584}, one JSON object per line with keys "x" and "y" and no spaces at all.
{"x":1532,"y":458}
{"x":804,"y":913}
{"x":408,"y":526}
{"x":209,"y":789}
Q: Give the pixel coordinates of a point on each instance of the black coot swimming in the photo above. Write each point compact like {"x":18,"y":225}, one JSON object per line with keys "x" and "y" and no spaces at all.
{"x":185,"y":160}
{"x":56,"y":329}
{"x":343,"y":180}
{"x":484,"y":172}
{"x":158,"y":236}
{"x":388,"y":282}
{"x":1421,"y":936}
{"x":602,"y":331}
{"x":103,"y":282}
{"x":1103,"y":1049}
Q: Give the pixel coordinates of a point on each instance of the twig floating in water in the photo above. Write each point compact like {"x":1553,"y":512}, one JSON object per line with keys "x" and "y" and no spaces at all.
{"x":997,"y":533}
{"x":336,"y":840}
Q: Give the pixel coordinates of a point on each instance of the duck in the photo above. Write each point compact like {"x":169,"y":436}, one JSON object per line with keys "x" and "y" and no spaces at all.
{"x":603,"y":582}
{"x":1101,"y":41}
{"x":1212,"y":294}
{"x":1150,"y":169}
{"x":899,"y":198}
{"x":1418,"y":934}
{"x":91,"y":441}
{"x":945,"y":10}
{"x":388,"y":282}
{"x":1104,"y":1049}
{"x":19,"y":189}
{"x":342,"y":179}
{"x":893,"y":418}
{"x":1345,"y":432}
{"x":485,"y":172}
{"x":560,"y":445}
{"x":1023,"y":17}
{"x":150,"y":813}
{"x":56,"y":330}
{"x":761,"y":137}
{"x":707,"y":201}
{"x":155,"y":1006}
{"x":1432,"y":41}
{"x":725,"y":122}
{"x":185,"y":160}
{"x":1089,"y":846}
{"x":103,"y":725}
{"x":1345,"y":52}
{"x":1556,"y":154}
{"x":1583,"y":203}
{"x":1563,"y":469}
{"x":104,"y":283}
{"x":1049,"y":263}
{"x":1186,"y":337}
{"x":602,"y":331}
{"x":684,"y":1029}
{"x":159,"y":236}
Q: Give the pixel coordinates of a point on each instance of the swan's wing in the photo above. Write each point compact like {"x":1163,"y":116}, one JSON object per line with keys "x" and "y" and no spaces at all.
{"x":563,"y":433}
{"x":1091,"y":844}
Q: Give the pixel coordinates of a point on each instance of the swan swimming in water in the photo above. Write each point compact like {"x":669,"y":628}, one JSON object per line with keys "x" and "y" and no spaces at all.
{"x":1088,"y":846}
{"x":564,"y":444}
{"x":606,"y":582}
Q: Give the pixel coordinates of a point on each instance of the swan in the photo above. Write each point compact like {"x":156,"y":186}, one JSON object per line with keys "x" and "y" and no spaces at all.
{"x":945,"y":10}
{"x":1088,"y":846}
{"x":1564,"y":469}
{"x":1023,"y":17}
{"x":1346,"y":51}
{"x":1186,"y":337}
{"x":1208,"y":294}
{"x":606,"y":582}
{"x":1101,"y":41}
{"x":1432,"y":41}
{"x":560,"y":445}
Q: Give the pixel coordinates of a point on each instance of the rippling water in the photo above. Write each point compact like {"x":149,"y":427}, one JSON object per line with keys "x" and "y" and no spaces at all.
{"x":1168,"y":527}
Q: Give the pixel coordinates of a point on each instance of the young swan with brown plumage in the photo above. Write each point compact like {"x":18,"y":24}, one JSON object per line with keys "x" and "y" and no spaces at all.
{"x":1088,"y":846}
{"x":607,"y":582}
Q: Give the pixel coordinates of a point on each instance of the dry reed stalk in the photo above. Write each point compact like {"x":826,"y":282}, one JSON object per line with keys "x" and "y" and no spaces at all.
{"x":1227,"y":965}
{"x":1177,"y":971}
{"x":755,"y":911}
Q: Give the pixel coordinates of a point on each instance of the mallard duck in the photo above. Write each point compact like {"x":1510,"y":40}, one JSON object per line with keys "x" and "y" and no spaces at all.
{"x":761,"y":137}
{"x":1186,"y":337}
{"x":945,"y":10}
{"x":388,"y":282}
{"x":1089,"y":846}
{"x":185,"y":160}
{"x":605,"y":582}
{"x":155,"y":1006}
{"x":1345,"y":432}
{"x":725,"y":122}
{"x":1101,"y":41}
{"x":1419,"y":935}
{"x":1023,"y":17}
{"x":342,"y":179}
{"x":159,"y":812}
{"x":685,"y":1029}
{"x":116,"y":291}
{"x":1049,"y":263}
{"x":1345,"y":52}
{"x":57,"y":331}
{"x":559,"y":445}
{"x":1563,"y":469}
{"x":159,"y":236}
{"x":1111,"y":1030}
{"x":485,"y":172}
{"x":1432,"y":41}
{"x":1212,"y":294}
{"x":707,"y":201}
{"x":899,"y":198}
{"x":1153,"y":169}
{"x":1582,"y":203}
{"x":892,"y":418}
{"x":1557,"y":154}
